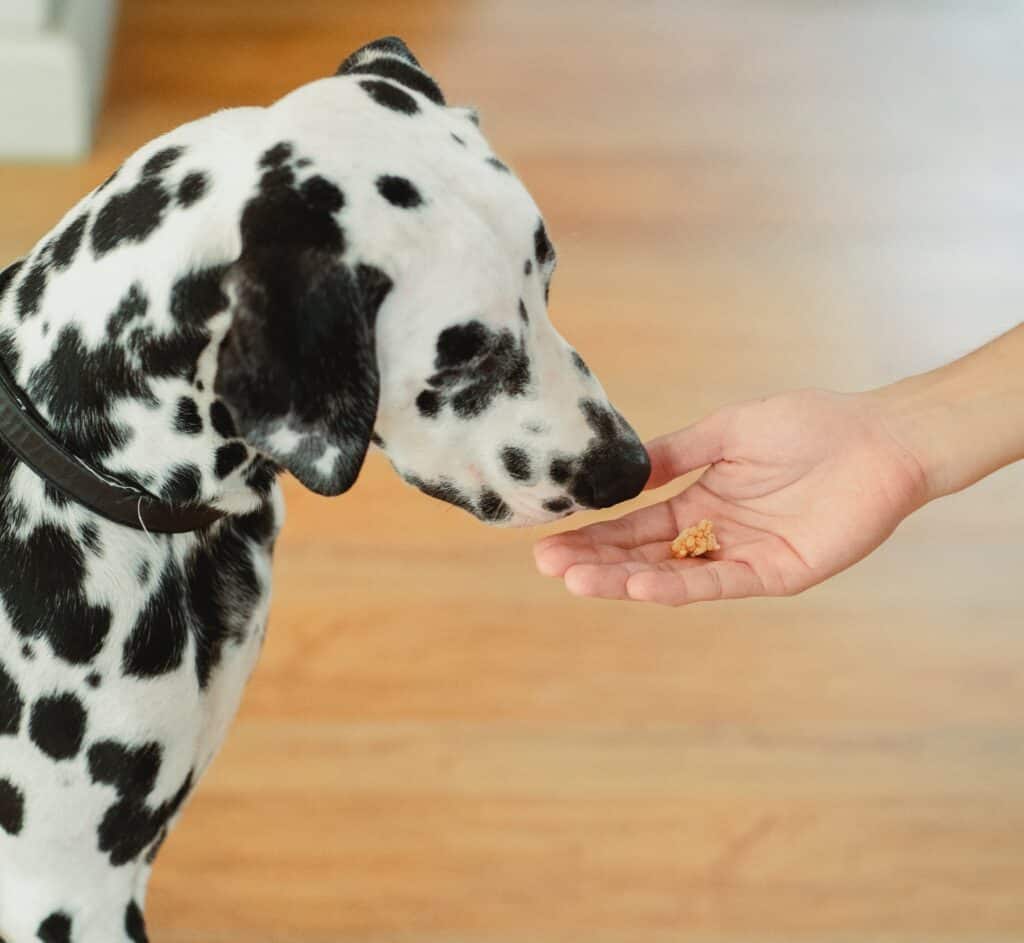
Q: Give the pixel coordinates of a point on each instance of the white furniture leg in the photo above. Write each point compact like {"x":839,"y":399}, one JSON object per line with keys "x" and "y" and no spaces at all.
{"x":53,"y":58}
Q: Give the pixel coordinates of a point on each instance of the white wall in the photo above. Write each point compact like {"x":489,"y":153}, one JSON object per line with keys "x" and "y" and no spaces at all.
{"x":22,"y":15}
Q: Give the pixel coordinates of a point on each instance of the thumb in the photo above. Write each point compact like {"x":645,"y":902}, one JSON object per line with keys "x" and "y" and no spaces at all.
{"x":679,"y":453}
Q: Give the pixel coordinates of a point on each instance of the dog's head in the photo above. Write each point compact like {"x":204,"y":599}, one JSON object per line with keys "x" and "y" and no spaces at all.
{"x":393,"y":287}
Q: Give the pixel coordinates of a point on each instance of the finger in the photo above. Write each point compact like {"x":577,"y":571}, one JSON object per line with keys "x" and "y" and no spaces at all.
{"x":610,"y":581}
{"x":643,"y":526}
{"x":679,"y":453}
{"x":555,"y":559}
{"x":680,"y":586}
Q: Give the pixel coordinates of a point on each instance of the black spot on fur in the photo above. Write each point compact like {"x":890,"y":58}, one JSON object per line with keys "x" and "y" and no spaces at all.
{"x":261,"y":475}
{"x":161,"y":160}
{"x":403,"y":73}
{"x":457,"y":139}
{"x":390,"y":96}
{"x":399,"y":192}
{"x":66,"y":246}
{"x":195,"y":298}
{"x":277,"y":155}
{"x":557,"y":505}
{"x":55,"y":929}
{"x":183,"y":484}
{"x":9,"y":356}
{"x":492,"y":508}
{"x":210,"y":599}
{"x":198,"y":296}
{"x":79,"y":639}
{"x":461,"y":343}
{"x":27,"y":653}
{"x":223,"y":587}
{"x":428,"y":403}
{"x":54,"y":495}
{"x":280,"y":215}
{"x":472,"y":400}
{"x":498,"y":165}
{"x":93,"y":680}
{"x":131,"y":308}
{"x":11,"y":704}
{"x":57,"y":725}
{"x":542,"y":245}
{"x":322,"y":195}
{"x":187,"y":419}
{"x":131,"y":824}
{"x":443,"y":490}
{"x":259,"y":526}
{"x":30,"y":291}
{"x":580,"y":364}
{"x":517,"y":463}
{"x":134,"y":924}
{"x":560,"y":471}
{"x":192,"y":189}
{"x":476,"y":364}
{"x":78,"y":386}
{"x":8,"y":275}
{"x":158,"y":639}
{"x":128,"y":770}
{"x":12,"y":807}
{"x":46,"y":600}
{"x":523,"y":314}
{"x":142,"y":574}
{"x":528,"y":267}
{"x":91,"y":537}
{"x":221,"y":419}
{"x":131,"y":216}
{"x":230,"y":457}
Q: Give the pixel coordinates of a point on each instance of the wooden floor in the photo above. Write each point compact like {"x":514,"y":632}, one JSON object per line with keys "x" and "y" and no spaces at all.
{"x":439,"y":746}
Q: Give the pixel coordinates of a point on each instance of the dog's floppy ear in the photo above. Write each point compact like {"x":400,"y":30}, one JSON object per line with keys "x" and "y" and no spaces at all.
{"x":390,"y":58}
{"x":297,"y":367}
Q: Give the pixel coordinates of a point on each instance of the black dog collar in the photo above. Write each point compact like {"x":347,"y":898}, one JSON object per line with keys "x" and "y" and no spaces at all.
{"x":25,"y":432}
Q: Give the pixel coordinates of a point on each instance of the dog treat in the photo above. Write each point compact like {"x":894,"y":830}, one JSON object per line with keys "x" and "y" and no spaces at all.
{"x":695,"y":541}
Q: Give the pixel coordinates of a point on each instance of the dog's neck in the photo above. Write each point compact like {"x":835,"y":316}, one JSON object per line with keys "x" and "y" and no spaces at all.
{"x":128,"y":389}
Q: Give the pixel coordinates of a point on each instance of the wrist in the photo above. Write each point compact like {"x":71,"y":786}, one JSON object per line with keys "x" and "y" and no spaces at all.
{"x":963,"y":421}
{"x":918,"y":415}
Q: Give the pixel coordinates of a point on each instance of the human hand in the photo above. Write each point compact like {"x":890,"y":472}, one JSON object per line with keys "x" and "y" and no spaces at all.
{"x":799,"y":487}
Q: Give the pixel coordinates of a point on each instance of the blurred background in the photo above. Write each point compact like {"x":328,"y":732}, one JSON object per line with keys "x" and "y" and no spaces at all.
{"x":440,"y":746}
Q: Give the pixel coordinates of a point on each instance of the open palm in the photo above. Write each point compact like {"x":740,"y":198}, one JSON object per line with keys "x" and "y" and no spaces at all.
{"x":798,"y":486}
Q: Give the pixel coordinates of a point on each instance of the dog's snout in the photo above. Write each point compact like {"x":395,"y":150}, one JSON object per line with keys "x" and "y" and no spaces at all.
{"x":616,"y":474}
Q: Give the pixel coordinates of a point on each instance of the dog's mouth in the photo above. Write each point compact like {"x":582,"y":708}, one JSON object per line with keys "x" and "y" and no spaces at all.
{"x":495,"y":508}
{"x":527,"y":512}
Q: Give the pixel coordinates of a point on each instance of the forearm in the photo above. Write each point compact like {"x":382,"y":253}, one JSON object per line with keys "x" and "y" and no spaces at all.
{"x":962,"y":421}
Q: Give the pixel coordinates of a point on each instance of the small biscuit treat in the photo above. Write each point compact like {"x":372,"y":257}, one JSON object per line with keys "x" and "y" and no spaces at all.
{"x":695,"y":541}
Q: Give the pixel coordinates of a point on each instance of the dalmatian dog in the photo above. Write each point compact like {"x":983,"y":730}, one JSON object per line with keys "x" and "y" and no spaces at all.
{"x":263,"y":290}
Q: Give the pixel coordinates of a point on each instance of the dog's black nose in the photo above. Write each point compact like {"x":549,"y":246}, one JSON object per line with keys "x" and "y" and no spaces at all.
{"x":615,"y":473}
